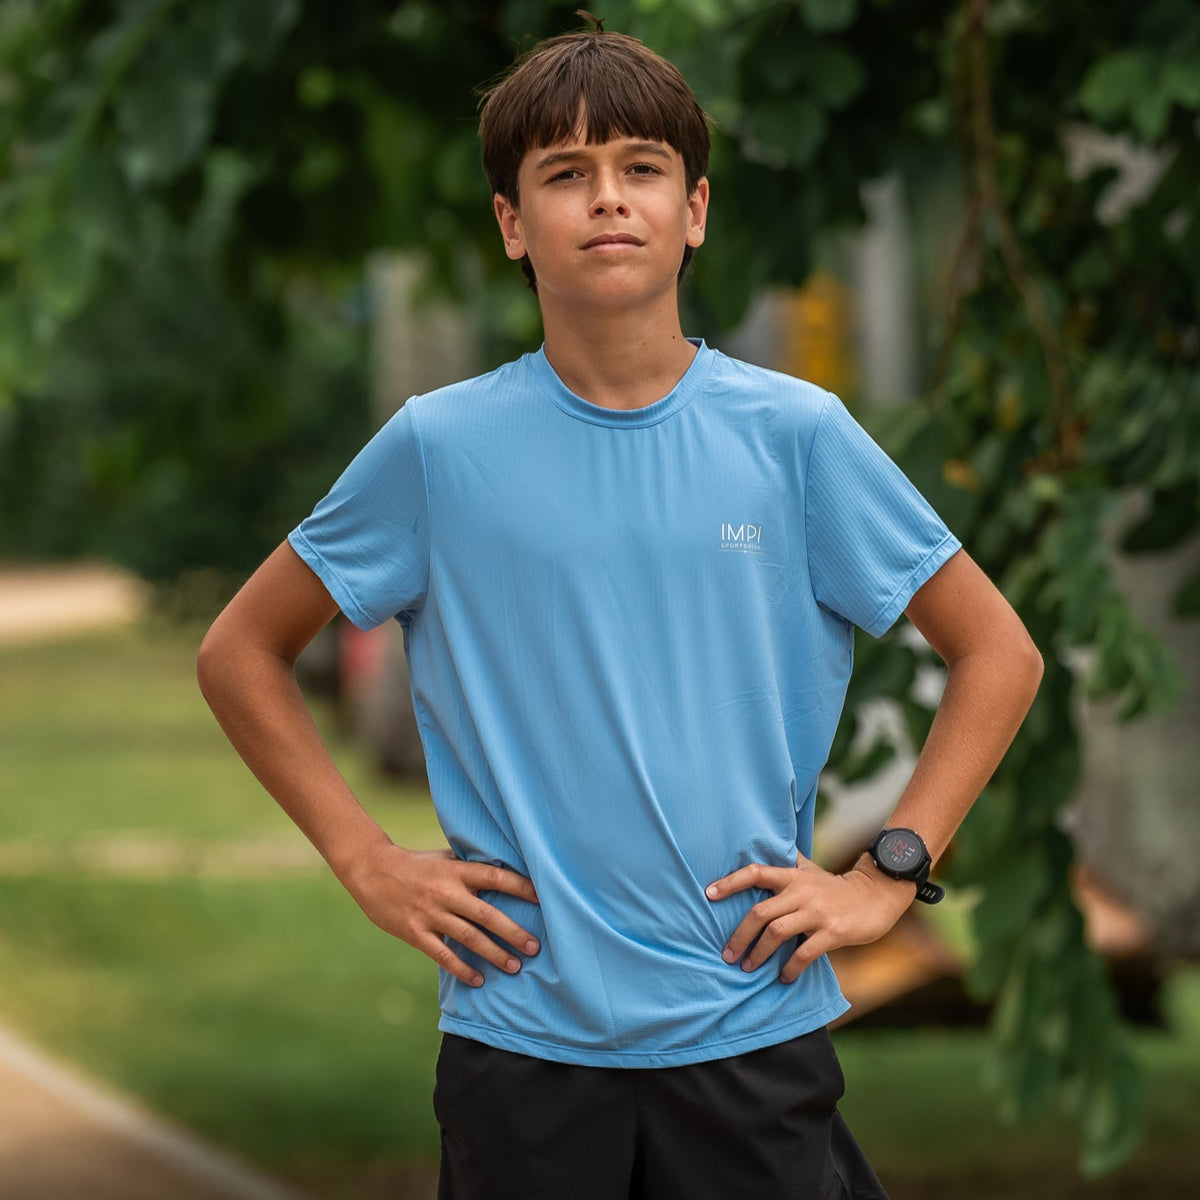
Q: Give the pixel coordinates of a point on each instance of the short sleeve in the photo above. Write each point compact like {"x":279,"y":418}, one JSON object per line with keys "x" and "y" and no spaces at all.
{"x":872,"y":538}
{"x":368,"y":539}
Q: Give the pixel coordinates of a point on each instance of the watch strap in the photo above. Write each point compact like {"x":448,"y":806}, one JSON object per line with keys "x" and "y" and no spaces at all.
{"x":930,"y":893}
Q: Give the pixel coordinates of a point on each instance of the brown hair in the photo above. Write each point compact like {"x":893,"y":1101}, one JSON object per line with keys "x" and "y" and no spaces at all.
{"x":626,"y":91}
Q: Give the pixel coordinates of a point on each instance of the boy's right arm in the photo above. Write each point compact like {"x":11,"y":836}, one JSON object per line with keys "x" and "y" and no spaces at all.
{"x":246,"y":669}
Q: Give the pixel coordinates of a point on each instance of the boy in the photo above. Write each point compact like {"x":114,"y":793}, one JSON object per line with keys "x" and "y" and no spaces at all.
{"x":628,"y":569}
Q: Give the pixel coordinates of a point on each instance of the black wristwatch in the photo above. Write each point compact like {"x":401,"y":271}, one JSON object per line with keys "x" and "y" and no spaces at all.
{"x":902,"y":854}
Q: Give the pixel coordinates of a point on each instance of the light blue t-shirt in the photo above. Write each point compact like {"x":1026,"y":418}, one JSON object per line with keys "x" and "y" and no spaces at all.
{"x":629,"y":637}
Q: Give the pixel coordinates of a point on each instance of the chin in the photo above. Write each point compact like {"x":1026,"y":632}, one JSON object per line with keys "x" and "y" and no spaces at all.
{"x":614,"y":288}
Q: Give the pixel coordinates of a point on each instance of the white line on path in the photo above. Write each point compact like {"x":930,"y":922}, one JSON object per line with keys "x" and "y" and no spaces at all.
{"x":172,"y":1145}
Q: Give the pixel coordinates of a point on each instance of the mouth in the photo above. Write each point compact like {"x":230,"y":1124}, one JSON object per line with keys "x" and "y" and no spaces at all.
{"x":612,"y":239}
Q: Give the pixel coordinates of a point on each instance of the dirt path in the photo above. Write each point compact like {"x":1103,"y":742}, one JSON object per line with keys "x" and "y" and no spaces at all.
{"x":62,"y":1135}
{"x":37,"y":603}
{"x":151,"y":856}
{"x":65,"y":1137}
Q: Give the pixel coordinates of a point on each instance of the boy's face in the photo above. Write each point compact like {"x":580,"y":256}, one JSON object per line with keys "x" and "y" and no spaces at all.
{"x":603,"y":224}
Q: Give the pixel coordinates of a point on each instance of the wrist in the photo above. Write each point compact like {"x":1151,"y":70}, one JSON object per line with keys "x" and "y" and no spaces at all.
{"x":888,"y":884}
{"x":354,"y":854}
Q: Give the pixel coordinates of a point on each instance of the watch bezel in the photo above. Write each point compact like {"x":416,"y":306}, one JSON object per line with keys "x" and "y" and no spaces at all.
{"x":918,"y":873}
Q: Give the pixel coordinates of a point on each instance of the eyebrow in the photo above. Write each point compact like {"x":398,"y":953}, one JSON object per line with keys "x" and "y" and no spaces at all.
{"x":561,"y":156}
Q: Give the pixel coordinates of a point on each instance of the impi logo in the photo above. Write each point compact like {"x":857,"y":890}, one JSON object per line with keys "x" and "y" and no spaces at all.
{"x":745,"y":537}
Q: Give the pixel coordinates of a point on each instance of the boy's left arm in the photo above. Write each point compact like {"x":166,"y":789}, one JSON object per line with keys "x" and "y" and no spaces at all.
{"x":993,"y":674}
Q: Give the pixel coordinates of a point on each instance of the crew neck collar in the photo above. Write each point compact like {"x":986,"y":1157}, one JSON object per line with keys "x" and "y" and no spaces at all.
{"x":625,"y":418}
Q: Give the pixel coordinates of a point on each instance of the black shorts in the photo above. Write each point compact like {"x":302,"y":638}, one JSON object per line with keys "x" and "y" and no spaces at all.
{"x":757,"y":1126}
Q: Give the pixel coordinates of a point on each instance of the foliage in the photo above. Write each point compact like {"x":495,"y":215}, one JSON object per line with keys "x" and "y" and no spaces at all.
{"x":1065,"y":383}
{"x":172,"y":398}
{"x":241,"y":153}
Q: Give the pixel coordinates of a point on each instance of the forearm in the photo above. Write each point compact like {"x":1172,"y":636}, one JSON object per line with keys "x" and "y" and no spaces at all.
{"x":994,"y":671}
{"x":254,"y":695}
{"x":986,"y":697}
{"x":246,"y":670}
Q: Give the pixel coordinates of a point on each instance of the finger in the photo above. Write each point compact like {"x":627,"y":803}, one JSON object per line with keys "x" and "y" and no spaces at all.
{"x":483,"y":877}
{"x":751,"y":926}
{"x":433,"y":946}
{"x":805,"y":955}
{"x":472,"y":938}
{"x":502,"y":925}
{"x":775,"y":934}
{"x":760,"y":875}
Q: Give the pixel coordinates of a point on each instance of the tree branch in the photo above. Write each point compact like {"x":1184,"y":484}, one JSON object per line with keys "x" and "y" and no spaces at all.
{"x":985,"y":199}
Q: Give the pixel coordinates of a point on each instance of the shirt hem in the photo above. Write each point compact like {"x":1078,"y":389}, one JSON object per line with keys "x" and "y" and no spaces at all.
{"x":335,"y":585}
{"x":505,"y":1039}
{"x":936,"y":558}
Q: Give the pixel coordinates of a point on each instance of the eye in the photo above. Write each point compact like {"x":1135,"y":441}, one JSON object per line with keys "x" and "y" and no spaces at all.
{"x":568,"y":174}
{"x":645,"y":169}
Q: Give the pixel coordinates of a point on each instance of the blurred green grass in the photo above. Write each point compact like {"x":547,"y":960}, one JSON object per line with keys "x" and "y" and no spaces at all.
{"x":271,"y":1016}
{"x":264,"y":1010}
{"x":109,"y":734}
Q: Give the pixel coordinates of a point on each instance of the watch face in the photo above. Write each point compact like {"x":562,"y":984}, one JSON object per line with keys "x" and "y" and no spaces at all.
{"x":899,"y":851}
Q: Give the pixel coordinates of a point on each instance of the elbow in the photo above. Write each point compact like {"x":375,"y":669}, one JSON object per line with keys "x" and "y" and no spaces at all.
{"x":1036,"y":670}
{"x":1029,"y":666}
{"x":205,"y":666}
{"x":209,"y":660}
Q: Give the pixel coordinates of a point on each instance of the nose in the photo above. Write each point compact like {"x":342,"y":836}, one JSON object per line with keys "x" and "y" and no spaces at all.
{"x":609,"y":196}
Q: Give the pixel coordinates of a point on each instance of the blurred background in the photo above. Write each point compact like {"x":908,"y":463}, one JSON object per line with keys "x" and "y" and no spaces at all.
{"x":235,"y":237}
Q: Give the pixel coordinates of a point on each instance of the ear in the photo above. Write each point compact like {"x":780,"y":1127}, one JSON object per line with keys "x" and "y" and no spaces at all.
{"x":697,"y":213}
{"x":509,"y":221}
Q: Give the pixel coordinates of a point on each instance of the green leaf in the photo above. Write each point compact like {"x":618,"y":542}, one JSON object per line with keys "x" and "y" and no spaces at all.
{"x":783,"y":62}
{"x":1112,"y":85}
{"x":918,"y":719}
{"x":1059,"y":927}
{"x":1008,"y":1013}
{"x":1111,"y":1116}
{"x":1092,"y":1010}
{"x":1156,"y":679}
{"x":711,"y":68}
{"x":61,"y":262}
{"x":707,"y":13}
{"x":166,"y":110}
{"x":988,"y":825}
{"x":858,"y":767}
{"x":17,"y":352}
{"x":1029,"y":1076}
{"x":1181,"y":80}
{"x":780,"y":132}
{"x":797,"y":61}
{"x":1091,"y":270}
{"x":836,"y":76}
{"x":986,"y":971}
{"x":100,"y":203}
{"x":254,"y":29}
{"x":828,"y":15}
{"x":1150,"y":113}
{"x":227,"y":175}
{"x":456,"y":170}
{"x":1132,"y":662}
{"x":1013,"y":893}
{"x":1048,"y":781}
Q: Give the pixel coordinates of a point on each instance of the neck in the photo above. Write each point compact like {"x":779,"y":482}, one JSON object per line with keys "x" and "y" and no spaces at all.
{"x":622,"y":359}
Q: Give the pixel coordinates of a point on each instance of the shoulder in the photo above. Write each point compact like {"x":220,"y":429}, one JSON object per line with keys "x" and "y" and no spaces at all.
{"x":451,"y":410}
{"x":789,"y":404}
